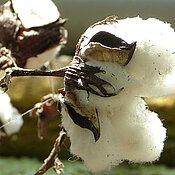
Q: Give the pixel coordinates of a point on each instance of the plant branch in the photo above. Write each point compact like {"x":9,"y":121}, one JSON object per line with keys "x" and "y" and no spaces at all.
{"x":16,"y":72}
{"x":52,"y":160}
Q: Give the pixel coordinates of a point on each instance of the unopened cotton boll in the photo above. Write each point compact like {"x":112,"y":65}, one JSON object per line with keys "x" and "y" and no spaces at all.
{"x":9,"y":113}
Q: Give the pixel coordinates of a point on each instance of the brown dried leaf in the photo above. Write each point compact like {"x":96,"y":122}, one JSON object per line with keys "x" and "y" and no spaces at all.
{"x":46,"y":111}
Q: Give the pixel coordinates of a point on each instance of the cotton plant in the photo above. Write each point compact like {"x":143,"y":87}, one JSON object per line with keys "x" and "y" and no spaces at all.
{"x":117,"y":63}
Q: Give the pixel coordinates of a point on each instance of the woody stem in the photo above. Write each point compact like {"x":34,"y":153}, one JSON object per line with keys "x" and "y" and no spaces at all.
{"x":16,"y":72}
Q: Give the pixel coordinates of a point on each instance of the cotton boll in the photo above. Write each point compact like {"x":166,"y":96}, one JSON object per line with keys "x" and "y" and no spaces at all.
{"x":128,"y":130}
{"x":9,"y":113}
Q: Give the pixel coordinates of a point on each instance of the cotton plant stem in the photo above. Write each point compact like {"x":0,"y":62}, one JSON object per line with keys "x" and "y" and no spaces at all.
{"x":53,"y":156}
{"x":18,"y":72}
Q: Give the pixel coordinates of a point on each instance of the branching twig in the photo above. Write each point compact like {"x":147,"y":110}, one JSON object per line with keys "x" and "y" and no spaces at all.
{"x":53,"y":160}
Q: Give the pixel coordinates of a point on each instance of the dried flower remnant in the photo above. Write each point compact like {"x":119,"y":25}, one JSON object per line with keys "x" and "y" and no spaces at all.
{"x":45,"y":111}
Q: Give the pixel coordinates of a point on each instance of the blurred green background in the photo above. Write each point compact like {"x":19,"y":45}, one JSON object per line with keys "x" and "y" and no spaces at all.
{"x":25,"y":92}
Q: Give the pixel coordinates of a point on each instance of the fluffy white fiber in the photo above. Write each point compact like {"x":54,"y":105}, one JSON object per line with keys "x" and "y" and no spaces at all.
{"x":129,"y":131}
{"x":9,"y":113}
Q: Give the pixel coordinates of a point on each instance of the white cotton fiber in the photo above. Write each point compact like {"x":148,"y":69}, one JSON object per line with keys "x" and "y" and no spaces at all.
{"x":129,"y":131}
{"x":9,"y":113}
{"x":141,"y":132}
{"x":153,"y":61}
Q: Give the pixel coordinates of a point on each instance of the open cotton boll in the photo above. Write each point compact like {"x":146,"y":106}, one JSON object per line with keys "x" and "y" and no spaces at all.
{"x":9,"y":113}
{"x":144,"y":67}
{"x":129,"y":131}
